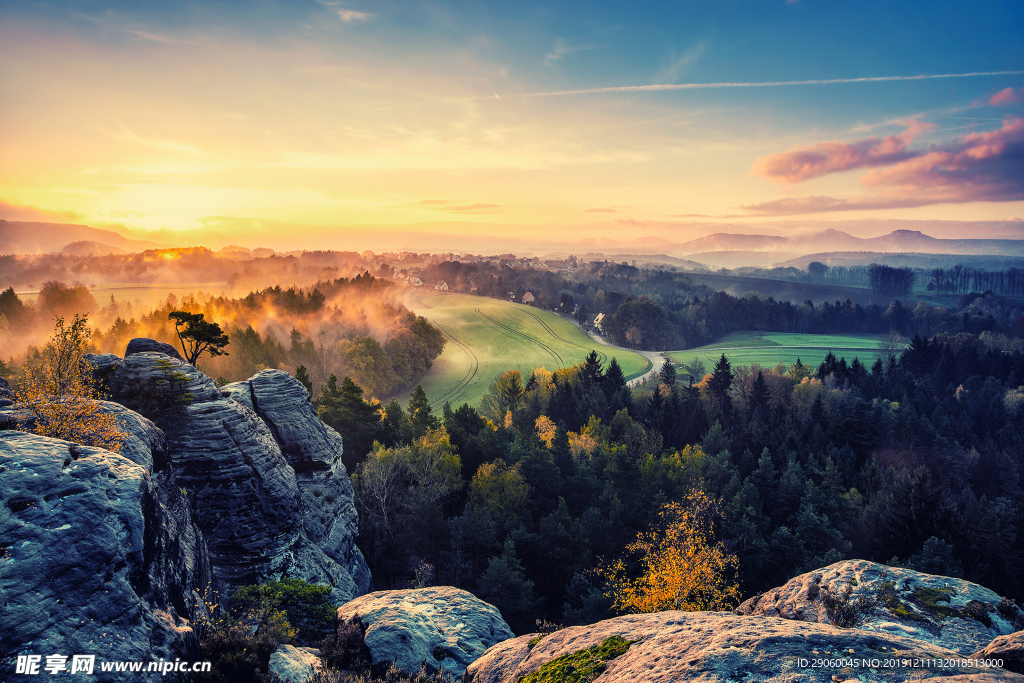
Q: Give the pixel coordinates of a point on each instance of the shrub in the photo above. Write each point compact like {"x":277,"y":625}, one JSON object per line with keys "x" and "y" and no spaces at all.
{"x":305,"y":605}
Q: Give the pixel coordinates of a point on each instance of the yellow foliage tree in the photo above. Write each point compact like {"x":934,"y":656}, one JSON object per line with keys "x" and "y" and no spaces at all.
{"x":682,"y":567}
{"x":59,"y":393}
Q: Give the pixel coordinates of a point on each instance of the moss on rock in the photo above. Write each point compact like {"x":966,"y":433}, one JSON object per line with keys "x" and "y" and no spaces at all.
{"x":581,"y":666}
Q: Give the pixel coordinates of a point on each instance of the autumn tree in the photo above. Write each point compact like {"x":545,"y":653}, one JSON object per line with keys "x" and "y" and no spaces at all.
{"x":682,"y":567}
{"x":59,"y":396}
{"x":198,"y":335}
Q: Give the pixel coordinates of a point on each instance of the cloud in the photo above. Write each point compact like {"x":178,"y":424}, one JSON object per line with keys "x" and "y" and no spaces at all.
{"x":472,"y":208}
{"x":803,"y":163}
{"x":19,"y":212}
{"x":1006,"y":96}
{"x":674,"y":70}
{"x":762,"y":84}
{"x":606,"y":210}
{"x":986,"y":167}
{"x":451,"y":207}
{"x":350,"y":16}
{"x":560,"y":49}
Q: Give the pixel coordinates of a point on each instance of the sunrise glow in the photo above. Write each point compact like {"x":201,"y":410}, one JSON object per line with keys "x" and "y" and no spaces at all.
{"x":333,"y":119}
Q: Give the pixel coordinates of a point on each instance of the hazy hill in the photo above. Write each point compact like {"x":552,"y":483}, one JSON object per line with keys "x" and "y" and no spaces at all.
{"x":913,"y":260}
{"x":913,"y":241}
{"x":22,"y":237}
{"x":90,"y":248}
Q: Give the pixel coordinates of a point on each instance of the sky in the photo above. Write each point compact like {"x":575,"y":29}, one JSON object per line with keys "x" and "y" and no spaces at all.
{"x":288,"y":123}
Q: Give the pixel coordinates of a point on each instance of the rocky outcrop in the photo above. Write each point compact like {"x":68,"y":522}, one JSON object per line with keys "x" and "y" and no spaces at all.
{"x":313,"y":450}
{"x":1009,"y":649}
{"x":951,"y":613}
{"x":714,"y":647}
{"x":289,"y":664}
{"x":442,"y":627}
{"x":6,"y":395}
{"x":97,"y":556}
{"x":144,"y":345}
{"x":262,"y":513}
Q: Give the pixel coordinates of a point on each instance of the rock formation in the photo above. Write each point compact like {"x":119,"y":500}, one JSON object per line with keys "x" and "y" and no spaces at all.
{"x":143,"y":345}
{"x":443,"y":627}
{"x":263,"y":473}
{"x":98,"y":555}
{"x":289,"y":664}
{"x":1009,"y":649}
{"x":716,"y":647}
{"x":952,"y":613}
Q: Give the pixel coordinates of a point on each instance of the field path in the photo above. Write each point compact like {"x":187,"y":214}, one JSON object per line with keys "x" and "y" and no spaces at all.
{"x":474,"y":367}
{"x":656,"y":359}
{"x":486,"y":337}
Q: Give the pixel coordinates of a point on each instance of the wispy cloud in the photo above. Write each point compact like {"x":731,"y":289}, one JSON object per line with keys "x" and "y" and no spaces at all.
{"x":560,"y":49}
{"x":679,"y":66}
{"x":349,"y":16}
{"x":976,"y":167}
{"x":767,"y":84}
{"x":609,"y":209}
{"x":452,"y":207}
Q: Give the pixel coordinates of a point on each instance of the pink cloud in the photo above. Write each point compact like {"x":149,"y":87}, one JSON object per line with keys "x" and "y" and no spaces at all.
{"x":976,"y":167}
{"x":804,"y":163}
{"x":1006,"y":96}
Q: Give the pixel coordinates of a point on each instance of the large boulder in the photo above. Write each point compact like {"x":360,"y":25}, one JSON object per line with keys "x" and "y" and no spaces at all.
{"x":716,"y":647}
{"x":97,"y":556}
{"x":442,"y":627}
{"x":952,"y":613}
{"x":144,"y":345}
{"x":1008,"y":649}
{"x":263,"y":514}
{"x":290,"y":664}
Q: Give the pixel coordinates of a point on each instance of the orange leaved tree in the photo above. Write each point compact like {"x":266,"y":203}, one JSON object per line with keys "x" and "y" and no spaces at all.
{"x":59,"y":392}
{"x":681,"y":566}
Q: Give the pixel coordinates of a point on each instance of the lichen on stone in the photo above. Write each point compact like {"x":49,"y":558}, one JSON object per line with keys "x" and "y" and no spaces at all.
{"x":581,"y":666}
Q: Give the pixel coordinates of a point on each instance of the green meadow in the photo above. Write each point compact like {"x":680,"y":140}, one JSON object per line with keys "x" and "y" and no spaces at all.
{"x":768,"y":349}
{"x":486,"y":337}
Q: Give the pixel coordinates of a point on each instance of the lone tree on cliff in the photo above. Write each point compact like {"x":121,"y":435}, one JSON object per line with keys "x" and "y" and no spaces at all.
{"x":197,"y":335}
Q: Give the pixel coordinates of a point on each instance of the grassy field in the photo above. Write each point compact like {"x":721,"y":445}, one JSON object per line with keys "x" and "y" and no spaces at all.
{"x":487,"y":337}
{"x":767,"y":349}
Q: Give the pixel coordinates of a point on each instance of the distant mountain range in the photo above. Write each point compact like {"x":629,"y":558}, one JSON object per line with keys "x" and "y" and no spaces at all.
{"x":906,"y":241}
{"x":20,"y":237}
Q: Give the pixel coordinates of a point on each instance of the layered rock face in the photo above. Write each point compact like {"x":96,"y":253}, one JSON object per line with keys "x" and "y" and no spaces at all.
{"x":443,"y":627}
{"x":951,"y":613}
{"x":715,"y":647}
{"x":1009,"y":649}
{"x":263,"y":473}
{"x":98,"y":555}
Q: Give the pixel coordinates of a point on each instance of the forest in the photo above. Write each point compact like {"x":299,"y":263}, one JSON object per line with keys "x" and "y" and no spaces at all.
{"x":354,"y":327}
{"x":657,"y":309}
{"x":528,"y":500}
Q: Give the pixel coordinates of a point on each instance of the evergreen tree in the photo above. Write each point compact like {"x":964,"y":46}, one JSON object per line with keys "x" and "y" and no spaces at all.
{"x":419,"y":412}
{"x":668,"y":374}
